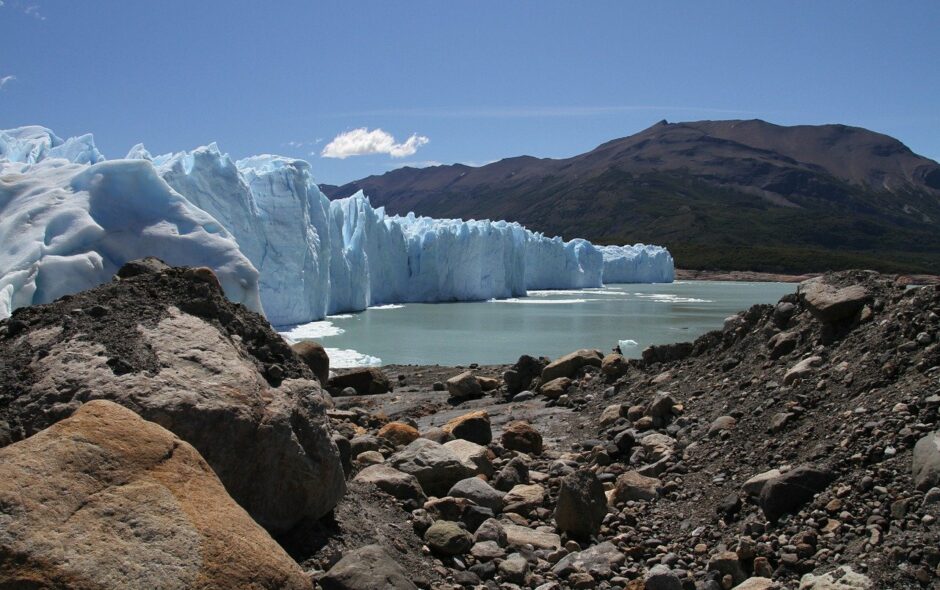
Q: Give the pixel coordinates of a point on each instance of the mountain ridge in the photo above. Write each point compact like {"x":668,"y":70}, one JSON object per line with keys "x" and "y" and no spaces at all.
{"x":735,"y":195}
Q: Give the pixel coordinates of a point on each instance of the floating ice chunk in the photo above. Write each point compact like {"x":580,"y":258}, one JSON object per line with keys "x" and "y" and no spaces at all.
{"x":310,"y":331}
{"x":342,"y":358}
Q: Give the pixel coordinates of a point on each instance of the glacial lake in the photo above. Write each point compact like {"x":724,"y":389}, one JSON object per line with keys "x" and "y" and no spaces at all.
{"x":549,"y":323}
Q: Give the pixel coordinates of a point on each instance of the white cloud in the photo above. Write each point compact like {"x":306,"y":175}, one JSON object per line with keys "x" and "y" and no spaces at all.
{"x":4,"y":80}
{"x":33,"y":11}
{"x":360,"y":142}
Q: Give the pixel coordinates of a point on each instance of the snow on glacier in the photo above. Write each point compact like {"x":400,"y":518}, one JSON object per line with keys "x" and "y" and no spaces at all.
{"x":276,"y":241}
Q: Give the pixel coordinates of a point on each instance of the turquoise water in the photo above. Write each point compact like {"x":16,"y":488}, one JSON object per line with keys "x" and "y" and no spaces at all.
{"x":547,"y":323}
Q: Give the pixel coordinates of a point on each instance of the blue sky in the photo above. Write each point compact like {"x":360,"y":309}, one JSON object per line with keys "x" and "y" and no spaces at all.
{"x":457,"y":81}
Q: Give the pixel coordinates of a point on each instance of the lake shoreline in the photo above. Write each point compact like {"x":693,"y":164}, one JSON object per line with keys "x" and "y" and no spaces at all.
{"x":683,"y":274}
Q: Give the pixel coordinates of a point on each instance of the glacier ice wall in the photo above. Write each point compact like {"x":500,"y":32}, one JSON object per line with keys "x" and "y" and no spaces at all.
{"x":67,"y":226}
{"x":276,"y":241}
{"x":639,"y":263}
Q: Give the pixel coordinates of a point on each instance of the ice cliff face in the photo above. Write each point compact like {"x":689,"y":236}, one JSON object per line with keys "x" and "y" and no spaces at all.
{"x":637,"y":264}
{"x":68,"y":225}
{"x":313,"y":257}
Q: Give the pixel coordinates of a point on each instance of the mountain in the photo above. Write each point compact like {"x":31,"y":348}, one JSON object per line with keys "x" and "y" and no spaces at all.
{"x":734,"y":195}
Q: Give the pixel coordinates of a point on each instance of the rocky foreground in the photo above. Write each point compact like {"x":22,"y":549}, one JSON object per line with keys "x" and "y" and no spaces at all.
{"x":156,"y":435}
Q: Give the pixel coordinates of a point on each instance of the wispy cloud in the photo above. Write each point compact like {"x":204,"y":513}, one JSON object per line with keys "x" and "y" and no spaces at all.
{"x":24,"y":7}
{"x":362,"y":141}
{"x":33,"y":11}
{"x":303,"y":144}
{"x":535,"y":111}
{"x":4,"y":80}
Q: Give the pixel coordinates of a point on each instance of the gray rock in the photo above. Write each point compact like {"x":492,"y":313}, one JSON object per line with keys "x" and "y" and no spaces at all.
{"x":270,"y":445}
{"x":661,"y":406}
{"x":842,"y":578}
{"x":514,"y":569}
{"x":487,"y":551}
{"x":367,"y":568}
{"x":926,"y":464}
{"x":802,"y":369}
{"x":491,"y":530}
{"x":658,"y":446}
{"x":403,"y":486}
{"x":520,"y":536}
{"x":721,"y":424}
{"x":755,"y":485}
{"x":476,"y":458}
{"x":512,"y":474}
{"x":599,"y":560}
{"x":479,"y":492}
{"x":436,"y":468}
{"x":581,"y":504}
{"x":448,"y":538}
{"x":660,"y":577}
{"x":830,"y":304}
{"x":633,"y":486}
{"x":464,"y":386}
{"x":787,"y":493}
{"x":524,"y":498}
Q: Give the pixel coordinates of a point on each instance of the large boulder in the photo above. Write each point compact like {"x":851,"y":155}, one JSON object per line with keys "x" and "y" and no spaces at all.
{"x":398,"y":433}
{"x":170,"y":347}
{"x":448,"y":538}
{"x":787,"y":493}
{"x":474,"y":427}
{"x":479,"y":492}
{"x":521,"y":436}
{"x":476,"y":458}
{"x":366,"y":381}
{"x":367,"y":568}
{"x":105,"y":499}
{"x":436,"y":468}
{"x":464,"y":386}
{"x":569,"y":364}
{"x":314,"y":356}
{"x":519,"y":377}
{"x":927,"y":462}
{"x":831,"y":304}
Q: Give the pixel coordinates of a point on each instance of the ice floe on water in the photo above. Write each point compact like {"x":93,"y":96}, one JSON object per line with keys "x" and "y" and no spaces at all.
{"x":387,"y":306}
{"x":540,"y":301}
{"x":344,"y":358}
{"x":670,"y":298}
{"x":340,"y":316}
{"x":553,"y":292}
{"x":310,"y":331}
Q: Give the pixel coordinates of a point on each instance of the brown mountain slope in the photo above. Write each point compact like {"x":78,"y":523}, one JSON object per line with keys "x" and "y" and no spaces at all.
{"x":745,"y":195}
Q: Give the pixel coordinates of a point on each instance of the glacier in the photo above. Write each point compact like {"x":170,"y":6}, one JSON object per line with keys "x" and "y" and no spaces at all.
{"x":276,"y":241}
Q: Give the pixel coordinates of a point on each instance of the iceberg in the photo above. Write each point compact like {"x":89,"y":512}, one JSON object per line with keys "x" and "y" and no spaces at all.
{"x":70,"y":218}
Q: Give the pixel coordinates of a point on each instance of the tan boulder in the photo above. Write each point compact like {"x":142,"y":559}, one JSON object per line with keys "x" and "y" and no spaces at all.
{"x":614,"y":365}
{"x":105,"y":499}
{"x":398,"y":433}
{"x":569,"y":364}
{"x":314,"y":356}
{"x":474,"y":426}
